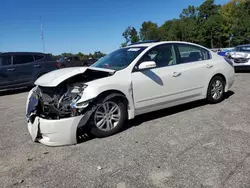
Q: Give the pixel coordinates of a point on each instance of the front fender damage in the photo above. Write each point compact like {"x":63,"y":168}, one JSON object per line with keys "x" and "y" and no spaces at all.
{"x":95,"y":104}
{"x":57,"y":109}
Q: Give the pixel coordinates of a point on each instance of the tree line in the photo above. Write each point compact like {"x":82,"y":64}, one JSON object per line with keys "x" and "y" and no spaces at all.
{"x":96,"y":55}
{"x":211,"y":25}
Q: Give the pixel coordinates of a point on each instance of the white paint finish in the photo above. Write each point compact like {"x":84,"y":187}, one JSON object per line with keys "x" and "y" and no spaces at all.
{"x":55,"y":77}
{"x":240,"y":55}
{"x":242,"y":64}
{"x":55,"y":132}
{"x":146,"y":90}
{"x":147,"y":65}
{"x":171,"y":83}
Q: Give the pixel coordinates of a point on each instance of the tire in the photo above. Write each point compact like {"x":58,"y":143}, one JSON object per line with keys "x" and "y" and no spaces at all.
{"x":216,"y":90}
{"x":99,"y":131}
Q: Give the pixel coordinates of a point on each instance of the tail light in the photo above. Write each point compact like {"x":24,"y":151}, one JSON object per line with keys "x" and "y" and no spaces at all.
{"x":58,"y":65}
{"x":228,"y":60}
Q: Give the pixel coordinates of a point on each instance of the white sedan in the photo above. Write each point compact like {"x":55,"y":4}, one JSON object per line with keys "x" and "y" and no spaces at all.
{"x":130,"y":81}
{"x":240,"y":57}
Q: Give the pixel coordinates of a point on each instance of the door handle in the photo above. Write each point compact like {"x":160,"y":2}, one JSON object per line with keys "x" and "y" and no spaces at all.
{"x":11,"y":69}
{"x":176,"y":74}
{"x":36,"y":66}
{"x":209,"y":66}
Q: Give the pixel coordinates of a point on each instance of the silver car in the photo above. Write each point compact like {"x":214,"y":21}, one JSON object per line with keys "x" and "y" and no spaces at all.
{"x":241,"y":57}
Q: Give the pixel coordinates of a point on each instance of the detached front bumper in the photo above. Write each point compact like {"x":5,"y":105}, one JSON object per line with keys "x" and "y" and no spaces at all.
{"x":55,"y":132}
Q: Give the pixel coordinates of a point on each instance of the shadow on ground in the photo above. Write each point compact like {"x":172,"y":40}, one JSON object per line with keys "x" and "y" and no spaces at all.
{"x":170,"y":111}
{"x":84,"y":137}
{"x":13,"y":91}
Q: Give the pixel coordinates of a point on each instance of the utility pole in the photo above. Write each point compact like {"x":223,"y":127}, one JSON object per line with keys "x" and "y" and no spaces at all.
{"x":42,"y":34}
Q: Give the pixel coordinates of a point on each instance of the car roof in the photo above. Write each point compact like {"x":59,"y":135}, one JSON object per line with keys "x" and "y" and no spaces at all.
{"x":163,"y":42}
{"x":244,"y":45}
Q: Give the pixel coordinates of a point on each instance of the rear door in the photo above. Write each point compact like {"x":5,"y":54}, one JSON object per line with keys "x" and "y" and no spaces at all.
{"x":195,"y":67}
{"x":7,"y":75}
{"x":38,"y":65}
{"x":23,"y":66}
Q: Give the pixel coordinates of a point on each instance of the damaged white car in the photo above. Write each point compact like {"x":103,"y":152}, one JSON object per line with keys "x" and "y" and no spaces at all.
{"x":240,"y":57}
{"x":130,"y":81}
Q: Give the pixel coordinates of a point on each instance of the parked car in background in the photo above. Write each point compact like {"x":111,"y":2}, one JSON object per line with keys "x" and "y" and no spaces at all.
{"x":240,"y":57}
{"x":21,"y":69}
{"x":225,"y":52}
{"x":73,"y":61}
{"x":130,"y":81}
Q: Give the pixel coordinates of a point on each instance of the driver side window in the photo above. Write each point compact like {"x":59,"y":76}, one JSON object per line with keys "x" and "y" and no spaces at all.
{"x":163,"y":55}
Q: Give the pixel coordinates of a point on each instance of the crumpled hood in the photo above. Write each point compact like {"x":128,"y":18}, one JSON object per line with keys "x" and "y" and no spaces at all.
{"x":239,"y":55}
{"x":54,"y":78}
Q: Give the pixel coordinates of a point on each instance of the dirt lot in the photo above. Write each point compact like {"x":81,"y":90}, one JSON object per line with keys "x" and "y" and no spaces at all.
{"x":193,"y":145}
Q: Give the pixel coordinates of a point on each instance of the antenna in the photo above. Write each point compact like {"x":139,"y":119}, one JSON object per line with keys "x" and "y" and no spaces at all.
{"x":42,"y":34}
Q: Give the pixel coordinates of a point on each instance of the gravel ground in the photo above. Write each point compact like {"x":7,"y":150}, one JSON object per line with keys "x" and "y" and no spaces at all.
{"x":193,"y":145}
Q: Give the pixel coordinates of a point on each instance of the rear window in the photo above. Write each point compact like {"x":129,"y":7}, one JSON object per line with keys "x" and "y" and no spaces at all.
{"x":190,"y":53}
{"x":22,"y":59}
{"x":243,"y":49}
{"x":38,"y":57}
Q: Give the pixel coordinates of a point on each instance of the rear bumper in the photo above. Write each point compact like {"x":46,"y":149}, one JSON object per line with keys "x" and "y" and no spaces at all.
{"x":230,"y":78}
{"x":54,"y":132}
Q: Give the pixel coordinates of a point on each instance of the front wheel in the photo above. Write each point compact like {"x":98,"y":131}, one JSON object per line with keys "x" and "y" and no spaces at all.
{"x":108,"y":118}
{"x":215,"y":93}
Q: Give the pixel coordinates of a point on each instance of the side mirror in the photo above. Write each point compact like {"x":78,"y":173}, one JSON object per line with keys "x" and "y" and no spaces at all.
{"x":147,"y":65}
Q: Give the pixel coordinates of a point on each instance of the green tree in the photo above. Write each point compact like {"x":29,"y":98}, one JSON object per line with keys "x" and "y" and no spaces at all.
{"x":209,"y":24}
{"x":149,"y":31}
{"x":130,"y":35}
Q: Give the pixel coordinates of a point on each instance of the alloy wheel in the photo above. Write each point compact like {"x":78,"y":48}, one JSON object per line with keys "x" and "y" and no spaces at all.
{"x":217,"y":89}
{"x":107,"y":116}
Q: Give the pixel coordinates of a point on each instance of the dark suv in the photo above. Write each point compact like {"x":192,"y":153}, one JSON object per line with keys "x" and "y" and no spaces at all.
{"x":21,"y":69}
{"x":74,"y":61}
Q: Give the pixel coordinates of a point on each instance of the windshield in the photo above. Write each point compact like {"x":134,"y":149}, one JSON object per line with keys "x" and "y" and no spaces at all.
{"x":243,"y":49}
{"x":119,"y":59}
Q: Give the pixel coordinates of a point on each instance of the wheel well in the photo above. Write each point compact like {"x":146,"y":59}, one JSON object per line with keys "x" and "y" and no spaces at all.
{"x":219,"y":74}
{"x":222,"y":76}
{"x":116,"y":94}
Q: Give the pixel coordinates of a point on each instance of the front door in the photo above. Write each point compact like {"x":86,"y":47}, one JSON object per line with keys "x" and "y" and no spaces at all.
{"x":154,"y":87}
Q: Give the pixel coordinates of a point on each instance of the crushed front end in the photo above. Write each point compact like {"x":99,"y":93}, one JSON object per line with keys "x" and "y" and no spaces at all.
{"x":54,"y":110}
{"x":53,"y":115}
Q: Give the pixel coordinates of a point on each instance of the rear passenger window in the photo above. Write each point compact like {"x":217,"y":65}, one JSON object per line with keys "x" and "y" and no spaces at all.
{"x":5,"y":60}
{"x":22,"y":59}
{"x":189,"y":53}
{"x":38,"y":57}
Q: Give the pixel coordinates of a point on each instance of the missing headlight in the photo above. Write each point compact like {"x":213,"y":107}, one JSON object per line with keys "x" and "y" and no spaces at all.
{"x":59,"y":102}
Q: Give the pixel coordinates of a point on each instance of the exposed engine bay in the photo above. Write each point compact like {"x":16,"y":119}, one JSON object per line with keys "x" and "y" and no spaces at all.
{"x":60,"y":101}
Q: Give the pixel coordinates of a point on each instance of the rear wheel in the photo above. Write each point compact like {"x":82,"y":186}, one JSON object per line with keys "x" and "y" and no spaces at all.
{"x":215,"y":93}
{"x":108,"y":118}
